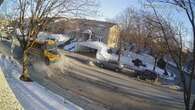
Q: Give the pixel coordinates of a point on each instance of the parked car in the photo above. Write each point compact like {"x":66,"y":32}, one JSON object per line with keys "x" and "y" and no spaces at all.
{"x":113,"y":65}
{"x":147,"y":74}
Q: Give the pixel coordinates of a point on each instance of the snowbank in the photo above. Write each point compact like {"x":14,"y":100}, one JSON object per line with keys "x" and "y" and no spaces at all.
{"x":72,"y":47}
{"x":93,"y":44}
{"x":59,"y":38}
{"x":8,"y":100}
{"x":31,"y":95}
{"x":77,"y":46}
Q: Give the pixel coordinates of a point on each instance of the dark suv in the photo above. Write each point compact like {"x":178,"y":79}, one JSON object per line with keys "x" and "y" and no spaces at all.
{"x":113,"y":65}
{"x":147,"y":74}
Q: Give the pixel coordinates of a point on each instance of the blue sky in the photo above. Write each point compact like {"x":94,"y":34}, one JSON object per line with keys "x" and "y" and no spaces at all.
{"x":110,"y":8}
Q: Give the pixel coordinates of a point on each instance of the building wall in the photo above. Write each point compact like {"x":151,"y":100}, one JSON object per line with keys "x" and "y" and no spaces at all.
{"x":106,"y":32}
{"x":113,"y":36}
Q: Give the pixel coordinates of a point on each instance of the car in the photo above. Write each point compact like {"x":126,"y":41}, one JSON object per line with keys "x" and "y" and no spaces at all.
{"x":113,"y":65}
{"x":147,"y":74}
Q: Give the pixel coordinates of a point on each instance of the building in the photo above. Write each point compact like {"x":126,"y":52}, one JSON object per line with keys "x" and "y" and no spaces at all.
{"x":105,"y":32}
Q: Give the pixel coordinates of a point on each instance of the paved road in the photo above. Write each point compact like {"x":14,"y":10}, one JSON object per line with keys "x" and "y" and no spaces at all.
{"x":94,"y":88}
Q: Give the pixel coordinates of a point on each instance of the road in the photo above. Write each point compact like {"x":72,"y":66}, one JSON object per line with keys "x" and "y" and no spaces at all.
{"x":94,"y":88}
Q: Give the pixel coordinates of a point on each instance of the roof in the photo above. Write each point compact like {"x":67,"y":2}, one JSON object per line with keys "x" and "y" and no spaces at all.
{"x":82,"y":19}
{"x":61,"y":25}
{"x":86,"y":21}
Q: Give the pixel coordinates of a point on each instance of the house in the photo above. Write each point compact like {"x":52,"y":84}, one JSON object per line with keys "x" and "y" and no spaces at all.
{"x":105,"y":32}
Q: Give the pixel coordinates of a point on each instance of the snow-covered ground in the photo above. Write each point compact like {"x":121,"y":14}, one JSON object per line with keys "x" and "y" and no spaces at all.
{"x":77,"y":46}
{"x":31,"y":95}
{"x":72,"y":47}
{"x":8,"y":100}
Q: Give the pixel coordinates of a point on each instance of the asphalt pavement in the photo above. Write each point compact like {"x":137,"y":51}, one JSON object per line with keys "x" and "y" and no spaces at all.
{"x":94,"y":88}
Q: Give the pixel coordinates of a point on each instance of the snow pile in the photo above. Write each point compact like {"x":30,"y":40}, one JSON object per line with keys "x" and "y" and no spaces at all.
{"x":59,"y":38}
{"x":31,"y":95}
{"x":93,"y":44}
{"x":103,"y":55}
{"x":77,"y":46}
{"x":72,"y":47}
{"x":8,"y":100}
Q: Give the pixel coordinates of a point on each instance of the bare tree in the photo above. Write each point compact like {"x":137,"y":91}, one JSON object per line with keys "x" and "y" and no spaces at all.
{"x":188,"y":7}
{"x":138,"y":28}
{"x":34,"y":15}
{"x":129,"y":22}
{"x":158,"y":42}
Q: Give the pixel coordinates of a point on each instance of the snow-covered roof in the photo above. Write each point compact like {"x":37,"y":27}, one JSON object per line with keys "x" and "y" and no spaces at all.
{"x":57,"y":37}
{"x":93,"y":44}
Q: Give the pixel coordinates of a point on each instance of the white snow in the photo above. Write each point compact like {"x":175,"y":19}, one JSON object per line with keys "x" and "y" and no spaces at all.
{"x":127,"y":59}
{"x":75,"y":46}
{"x":42,"y":36}
{"x":93,"y":44}
{"x":31,"y":95}
{"x":71,"y":47}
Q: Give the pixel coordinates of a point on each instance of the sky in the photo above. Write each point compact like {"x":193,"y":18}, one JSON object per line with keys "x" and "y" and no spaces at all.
{"x":110,"y":8}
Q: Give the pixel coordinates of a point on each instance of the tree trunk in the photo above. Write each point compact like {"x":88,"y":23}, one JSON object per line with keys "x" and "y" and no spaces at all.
{"x":12,"y":46}
{"x":119,"y":51}
{"x":155,"y":61}
{"x":193,"y":106}
{"x":119,"y":57}
{"x":25,"y":74}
